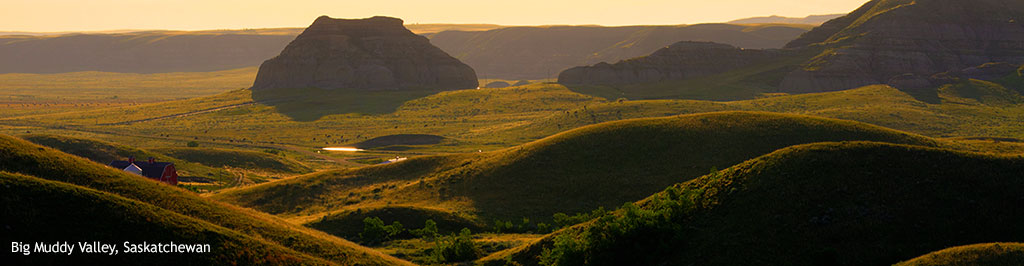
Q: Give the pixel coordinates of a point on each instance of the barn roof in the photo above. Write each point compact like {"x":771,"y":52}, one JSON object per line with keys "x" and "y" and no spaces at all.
{"x":151,"y":170}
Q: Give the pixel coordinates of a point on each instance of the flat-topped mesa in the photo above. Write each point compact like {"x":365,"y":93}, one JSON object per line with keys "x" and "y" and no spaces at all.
{"x":679,"y":61}
{"x":376,"y":53}
{"x":897,"y":39}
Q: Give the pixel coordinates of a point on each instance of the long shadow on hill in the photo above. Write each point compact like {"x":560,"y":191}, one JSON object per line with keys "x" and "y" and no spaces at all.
{"x":311,"y":104}
{"x":927,"y":95}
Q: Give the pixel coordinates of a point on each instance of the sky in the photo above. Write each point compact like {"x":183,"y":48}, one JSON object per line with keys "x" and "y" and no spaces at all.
{"x":98,"y":15}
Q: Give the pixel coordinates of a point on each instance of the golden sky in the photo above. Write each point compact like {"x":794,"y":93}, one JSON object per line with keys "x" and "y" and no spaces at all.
{"x":90,"y":15}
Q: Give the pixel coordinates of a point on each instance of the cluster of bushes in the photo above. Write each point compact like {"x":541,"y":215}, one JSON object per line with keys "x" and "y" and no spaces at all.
{"x":560,"y":220}
{"x":451,"y":248}
{"x":627,"y":231}
{"x":455,"y":248}
{"x":460,"y":247}
{"x":375,"y":232}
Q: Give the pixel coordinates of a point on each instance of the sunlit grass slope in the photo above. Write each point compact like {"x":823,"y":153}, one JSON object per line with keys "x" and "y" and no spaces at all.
{"x":850,"y":203}
{"x":988,"y":254}
{"x":21,"y":157}
{"x":192,"y":164}
{"x":247,"y":160}
{"x":103,"y":152}
{"x":602,"y":165}
{"x":38,"y":210}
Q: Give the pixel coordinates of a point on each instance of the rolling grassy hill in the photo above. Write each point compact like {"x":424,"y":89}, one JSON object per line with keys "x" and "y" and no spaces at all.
{"x":579,"y":170}
{"x":27,"y":159}
{"x":850,"y":203}
{"x":988,"y":254}
{"x":247,"y":160}
{"x":219,"y":167}
{"x":38,"y":210}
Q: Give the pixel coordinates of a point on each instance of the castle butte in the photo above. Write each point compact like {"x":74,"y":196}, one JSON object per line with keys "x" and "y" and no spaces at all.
{"x":377,"y":53}
{"x":897,"y":42}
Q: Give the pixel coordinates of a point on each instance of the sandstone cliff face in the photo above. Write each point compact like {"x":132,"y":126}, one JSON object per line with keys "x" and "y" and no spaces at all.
{"x":377,"y":53}
{"x":679,"y":61}
{"x":903,"y":41}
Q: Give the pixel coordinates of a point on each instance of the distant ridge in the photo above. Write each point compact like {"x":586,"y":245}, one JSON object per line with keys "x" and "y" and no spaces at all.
{"x":811,"y":20}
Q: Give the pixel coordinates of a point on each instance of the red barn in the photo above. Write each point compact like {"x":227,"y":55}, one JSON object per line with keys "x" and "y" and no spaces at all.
{"x":160,"y":171}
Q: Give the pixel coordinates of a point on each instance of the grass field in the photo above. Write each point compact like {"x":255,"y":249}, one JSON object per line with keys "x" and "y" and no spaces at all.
{"x":32,"y":94}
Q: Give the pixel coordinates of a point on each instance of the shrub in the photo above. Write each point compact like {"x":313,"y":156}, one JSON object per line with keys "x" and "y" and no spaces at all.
{"x":373,"y":231}
{"x":455,"y":248}
{"x":429,"y":231}
{"x":192,"y":144}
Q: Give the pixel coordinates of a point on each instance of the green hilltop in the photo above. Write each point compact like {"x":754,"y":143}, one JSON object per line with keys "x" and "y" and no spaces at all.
{"x":850,"y":203}
{"x":987,"y":254}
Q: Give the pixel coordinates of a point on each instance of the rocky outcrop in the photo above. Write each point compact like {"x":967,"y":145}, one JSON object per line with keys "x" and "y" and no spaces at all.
{"x":679,"y":61}
{"x":904,"y":41}
{"x":377,"y":53}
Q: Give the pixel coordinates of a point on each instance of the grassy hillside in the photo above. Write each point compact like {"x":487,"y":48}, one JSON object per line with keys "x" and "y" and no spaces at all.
{"x":38,"y":210}
{"x":576,"y":171}
{"x":21,"y":157}
{"x":851,"y":203}
{"x":215,"y":167}
{"x":989,"y":254}
{"x":248,"y":160}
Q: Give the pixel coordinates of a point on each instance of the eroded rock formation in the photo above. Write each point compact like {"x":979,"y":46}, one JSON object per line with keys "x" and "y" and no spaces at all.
{"x":903,"y":41}
{"x":679,"y":61}
{"x":377,"y":53}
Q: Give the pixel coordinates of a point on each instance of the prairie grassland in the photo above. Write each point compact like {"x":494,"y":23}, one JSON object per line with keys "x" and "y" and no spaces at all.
{"x":490,"y":119}
{"x":30,"y":94}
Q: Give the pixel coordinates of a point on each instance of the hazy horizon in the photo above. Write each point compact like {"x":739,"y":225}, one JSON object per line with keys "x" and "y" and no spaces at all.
{"x":114,"y":15}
